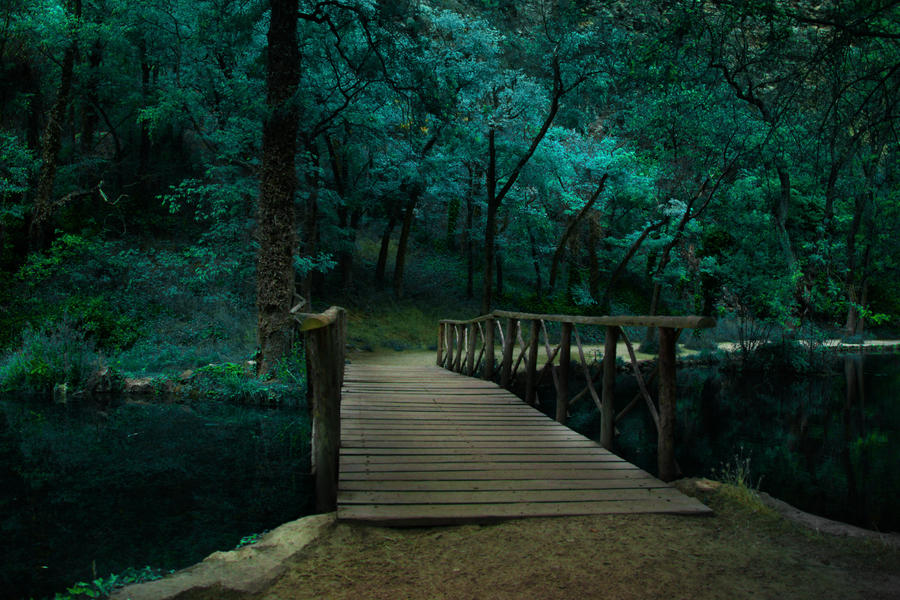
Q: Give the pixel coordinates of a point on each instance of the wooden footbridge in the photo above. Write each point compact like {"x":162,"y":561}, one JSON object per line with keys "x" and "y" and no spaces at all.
{"x":426,"y":445}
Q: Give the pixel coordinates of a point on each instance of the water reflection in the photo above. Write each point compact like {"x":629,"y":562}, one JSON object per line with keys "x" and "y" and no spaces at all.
{"x":829,"y":443}
{"x":89,"y":490}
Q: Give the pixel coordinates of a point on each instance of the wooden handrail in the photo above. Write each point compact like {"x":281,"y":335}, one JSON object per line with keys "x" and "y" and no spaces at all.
{"x":458,"y":350}
{"x":326,"y":335}
{"x":310,"y":321}
{"x":686,"y":322}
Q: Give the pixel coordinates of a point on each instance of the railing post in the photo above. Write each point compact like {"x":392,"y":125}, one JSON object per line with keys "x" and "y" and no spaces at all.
{"x":666,"y":448}
{"x":440,"y":347}
{"x":508,"y":345}
{"x":607,"y":411}
{"x":531,"y":368}
{"x":565,"y":355}
{"x":488,"y":371}
{"x":460,"y":346}
{"x":470,"y":349}
{"x":325,"y":347}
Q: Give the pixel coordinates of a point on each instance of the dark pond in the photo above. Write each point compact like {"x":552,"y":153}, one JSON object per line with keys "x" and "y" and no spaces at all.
{"x":827,"y":443}
{"x":87,"y":489}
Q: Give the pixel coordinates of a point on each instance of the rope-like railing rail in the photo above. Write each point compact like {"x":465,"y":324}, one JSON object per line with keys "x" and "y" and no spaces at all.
{"x":325,"y":334}
{"x":469,"y":347}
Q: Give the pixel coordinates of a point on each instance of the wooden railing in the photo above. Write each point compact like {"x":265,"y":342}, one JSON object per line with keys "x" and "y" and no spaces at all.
{"x":468,"y":347}
{"x":326,"y":335}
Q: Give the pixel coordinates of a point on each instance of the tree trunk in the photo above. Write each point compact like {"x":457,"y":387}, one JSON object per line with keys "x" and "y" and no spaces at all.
{"x":620,"y":268}
{"x":400,"y":260}
{"x":495,"y":198}
{"x":381,"y":265}
{"x":490,"y":228}
{"x":277,"y":238}
{"x":782,"y":207}
{"x":593,"y":264}
{"x":469,"y":248}
{"x":570,"y":229}
{"x":498,"y":257}
{"x":853,"y":277}
{"x":535,"y":261}
{"x":144,"y":144}
{"x":52,"y":141}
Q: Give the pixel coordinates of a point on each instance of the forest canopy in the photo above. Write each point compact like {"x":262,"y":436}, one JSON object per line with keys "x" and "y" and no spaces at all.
{"x":169,"y":168}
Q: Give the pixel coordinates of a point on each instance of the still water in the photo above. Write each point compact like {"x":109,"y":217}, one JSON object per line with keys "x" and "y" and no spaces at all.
{"x":87,"y":490}
{"x":827,"y":443}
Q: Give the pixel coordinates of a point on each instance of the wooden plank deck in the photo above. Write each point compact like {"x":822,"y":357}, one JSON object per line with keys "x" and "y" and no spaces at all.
{"x":425,"y":446}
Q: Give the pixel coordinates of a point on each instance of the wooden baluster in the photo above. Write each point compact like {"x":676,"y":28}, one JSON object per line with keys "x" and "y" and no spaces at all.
{"x":668,"y":470}
{"x":460,"y":346}
{"x":440,"y":346}
{"x":562,"y":389}
{"x":488,"y":371}
{"x":470,"y":349}
{"x":607,"y":412}
{"x":508,"y":345}
{"x":531,"y":368}
{"x":448,"y":360}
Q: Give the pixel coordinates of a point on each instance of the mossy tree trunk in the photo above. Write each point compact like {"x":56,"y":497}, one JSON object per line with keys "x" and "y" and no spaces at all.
{"x":276,"y":224}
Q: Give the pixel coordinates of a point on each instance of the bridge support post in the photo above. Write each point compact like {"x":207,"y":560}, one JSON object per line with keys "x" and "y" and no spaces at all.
{"x":440,"y":348}
{"x":565,"y":356}
{"x":531,"y":367}
{"x":325,"y":347}
{"x":488,"y":371}
{"x":668,"y":470}
{"x":508,"y":344}
{"x":460,"y":347}
{"x":470,"y":349}
{"x":607,"y":410}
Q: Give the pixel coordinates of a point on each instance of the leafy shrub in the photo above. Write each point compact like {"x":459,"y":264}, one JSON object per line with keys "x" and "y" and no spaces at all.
{"x":51,"y":355}
{"x":237,"y":382}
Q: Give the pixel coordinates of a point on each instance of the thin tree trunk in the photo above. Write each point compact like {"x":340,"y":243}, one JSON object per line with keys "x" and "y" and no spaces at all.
{"x":535,"y":261}
{"x":498,"y":256}
{"x":490,"y":228}
{"x":277,"y":237}
{"x":593,"y":264}
{"x":469,"y":247}
{"x":400,"y":260}
{"x":782,"y":207}
{"x":495,"y":198}
{"x":89,"y":116}
{"x":381,"y":265}
{"x":51,"y":142}
{"x":620,"y":268}
{"x":570,"y":228}
{"x":144,"y":144}
{"x":853,"y":278}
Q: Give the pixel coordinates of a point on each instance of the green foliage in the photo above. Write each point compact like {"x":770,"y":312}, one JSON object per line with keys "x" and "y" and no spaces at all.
{"x":251,"y":539}
{"x":103,"y":587}
{"x":233,"y":382}
{"x":17,"y":165}
{"x":55,"y":355}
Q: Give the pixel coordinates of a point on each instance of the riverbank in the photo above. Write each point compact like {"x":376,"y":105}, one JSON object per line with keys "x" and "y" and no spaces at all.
{"x":746,"y":550}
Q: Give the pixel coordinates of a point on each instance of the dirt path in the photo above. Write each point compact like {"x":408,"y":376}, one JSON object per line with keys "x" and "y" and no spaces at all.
{"x":745,"y":551}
